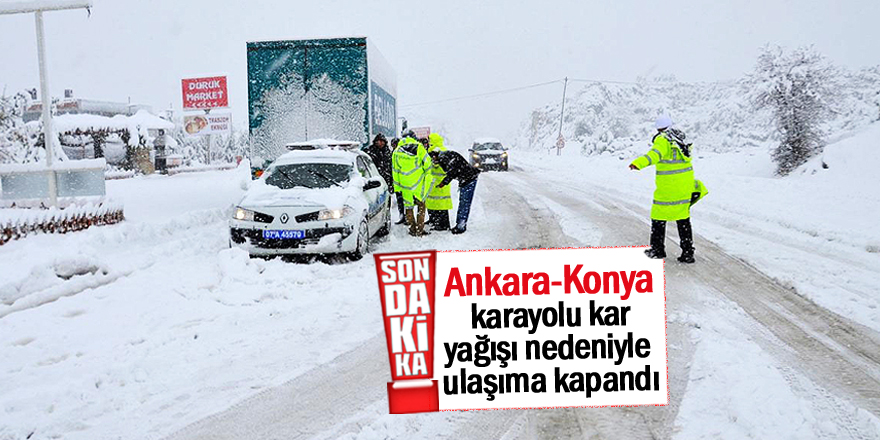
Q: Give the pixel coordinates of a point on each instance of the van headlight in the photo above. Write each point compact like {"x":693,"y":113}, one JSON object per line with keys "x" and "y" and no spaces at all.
{"x":243,"y":214}
{"x":333,"y":214}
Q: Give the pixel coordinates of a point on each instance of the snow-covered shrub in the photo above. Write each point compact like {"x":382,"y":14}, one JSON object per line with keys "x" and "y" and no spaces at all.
{"x":194,"y":149}
{"x":606,"y":118}
{"x":16,"y":138}
{"x":800,"y":88}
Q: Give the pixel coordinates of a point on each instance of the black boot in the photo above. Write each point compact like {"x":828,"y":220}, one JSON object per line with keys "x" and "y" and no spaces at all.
{"x":651,"y":253}
{"x":686,"y":234}
{"x":658,"y":240}
{"x":399,"y":199}
{"x":441,"y":221}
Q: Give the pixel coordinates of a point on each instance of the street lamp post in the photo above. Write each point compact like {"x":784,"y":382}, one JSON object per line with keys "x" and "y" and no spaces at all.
{"x":38,"y":7}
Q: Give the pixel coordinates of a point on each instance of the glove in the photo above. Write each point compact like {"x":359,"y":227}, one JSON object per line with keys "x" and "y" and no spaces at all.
{"x":633,"y":167}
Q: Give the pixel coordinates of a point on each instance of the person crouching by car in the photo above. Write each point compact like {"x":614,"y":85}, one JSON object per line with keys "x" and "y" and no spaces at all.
{"x":457,"y":167}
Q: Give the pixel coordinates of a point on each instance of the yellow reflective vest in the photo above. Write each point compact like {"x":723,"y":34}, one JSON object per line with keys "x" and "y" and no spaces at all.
{"x":676,"y":189}
{"x":439,"y":199}
{"x":411,"y":171}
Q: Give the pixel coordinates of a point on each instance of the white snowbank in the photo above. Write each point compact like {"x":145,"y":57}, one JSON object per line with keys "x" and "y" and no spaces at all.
{"x":67,"y":165}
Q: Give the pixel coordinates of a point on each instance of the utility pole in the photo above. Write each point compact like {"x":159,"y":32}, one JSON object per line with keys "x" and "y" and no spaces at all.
{"x":210,"y":138}
{"x":560,"y":141}
{"x":38,"y":7}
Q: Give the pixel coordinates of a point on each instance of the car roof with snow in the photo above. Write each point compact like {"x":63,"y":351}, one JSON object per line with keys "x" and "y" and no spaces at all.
{"x":486,"y":140}
{"x":316,"y":156}
{"x":315,"y":144}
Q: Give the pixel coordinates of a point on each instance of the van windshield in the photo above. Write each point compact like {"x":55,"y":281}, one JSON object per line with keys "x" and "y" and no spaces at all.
{"x":309,"y":175}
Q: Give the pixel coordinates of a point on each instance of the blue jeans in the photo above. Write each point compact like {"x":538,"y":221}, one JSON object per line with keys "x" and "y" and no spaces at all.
{"x":465,"y":197}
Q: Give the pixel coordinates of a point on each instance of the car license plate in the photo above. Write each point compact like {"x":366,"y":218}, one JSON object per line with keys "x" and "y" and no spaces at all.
{"x":285,"y":234}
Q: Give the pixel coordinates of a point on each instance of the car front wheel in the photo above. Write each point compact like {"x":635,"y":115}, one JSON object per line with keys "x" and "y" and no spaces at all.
{"x":363,"y":242}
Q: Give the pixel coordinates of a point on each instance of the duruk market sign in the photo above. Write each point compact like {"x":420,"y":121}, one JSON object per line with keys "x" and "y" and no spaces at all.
{"x":204,"y":93}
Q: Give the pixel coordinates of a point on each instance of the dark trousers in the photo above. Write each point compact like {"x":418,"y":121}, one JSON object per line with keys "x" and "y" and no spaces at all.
{"x":399,"y":196}
{"x":438,"y":219}
{"x":658,"y":236}
{"x":465,"y":197}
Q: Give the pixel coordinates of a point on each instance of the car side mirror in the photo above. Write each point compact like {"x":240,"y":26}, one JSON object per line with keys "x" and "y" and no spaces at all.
{"x":372,"y":184}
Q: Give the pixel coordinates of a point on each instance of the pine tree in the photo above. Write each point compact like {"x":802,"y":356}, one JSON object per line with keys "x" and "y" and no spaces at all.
{"x":800,"y":89}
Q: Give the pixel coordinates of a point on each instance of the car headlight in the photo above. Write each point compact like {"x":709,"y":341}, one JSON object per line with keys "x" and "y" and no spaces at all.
{"x":243,"y":214}
{"x":504,"y":154}
{"x":476,"y":156}
{"x":246,"y":215}
{"x":333,"y":214}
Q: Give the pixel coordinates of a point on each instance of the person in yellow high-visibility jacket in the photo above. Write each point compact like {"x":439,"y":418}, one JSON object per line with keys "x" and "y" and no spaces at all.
{"x":676,"y":189}
{"x":439,"y":201}
{"x":411,"y":172}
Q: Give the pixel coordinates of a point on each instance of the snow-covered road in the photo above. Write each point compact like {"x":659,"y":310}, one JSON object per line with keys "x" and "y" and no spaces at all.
{"x":153,"y":328}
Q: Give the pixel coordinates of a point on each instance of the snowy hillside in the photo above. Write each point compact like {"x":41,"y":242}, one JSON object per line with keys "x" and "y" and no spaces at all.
{"x":602,"y":118}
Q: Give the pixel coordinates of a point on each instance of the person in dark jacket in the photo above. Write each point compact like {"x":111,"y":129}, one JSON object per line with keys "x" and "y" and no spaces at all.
{"x":397,"y":195}
{"x":458,"y":168}
{"x":381,"y":155}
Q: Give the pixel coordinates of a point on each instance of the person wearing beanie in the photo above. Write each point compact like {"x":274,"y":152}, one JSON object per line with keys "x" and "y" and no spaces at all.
{"x":398,"y":196}
{"x":675,"y":191}
{"x":381,"y":155}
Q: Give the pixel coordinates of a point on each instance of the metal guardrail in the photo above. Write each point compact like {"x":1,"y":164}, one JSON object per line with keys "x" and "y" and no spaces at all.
{"x":28,"y":185}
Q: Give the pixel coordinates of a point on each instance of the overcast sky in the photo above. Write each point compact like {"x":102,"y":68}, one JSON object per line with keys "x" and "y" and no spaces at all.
{"x":441,"y":49}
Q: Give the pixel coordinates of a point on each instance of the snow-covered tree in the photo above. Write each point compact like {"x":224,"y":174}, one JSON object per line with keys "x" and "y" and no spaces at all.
{"x":17,"y":141}
{"x":800,"y":89}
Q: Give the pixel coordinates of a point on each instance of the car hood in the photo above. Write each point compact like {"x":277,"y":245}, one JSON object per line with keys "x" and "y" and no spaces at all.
{"x":261,"y":194}
{"x":489,"y":152}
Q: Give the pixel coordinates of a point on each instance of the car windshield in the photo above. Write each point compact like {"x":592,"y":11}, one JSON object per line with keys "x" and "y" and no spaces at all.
{"x":309,"y":175}
{"x":488,"y":146}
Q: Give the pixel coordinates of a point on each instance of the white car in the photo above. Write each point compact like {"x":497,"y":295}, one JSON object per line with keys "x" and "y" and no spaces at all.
{"x":321,"y":201}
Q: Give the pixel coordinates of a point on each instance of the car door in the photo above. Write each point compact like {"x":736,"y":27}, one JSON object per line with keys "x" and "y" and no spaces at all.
{"x":372,"y":197}
{"x":384,"y":192}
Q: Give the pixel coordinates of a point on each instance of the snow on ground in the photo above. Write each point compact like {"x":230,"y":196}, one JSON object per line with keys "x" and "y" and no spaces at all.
{"x":165,"y":324}
{"x":814,"y":231}
{"x":159,"y":324}
{"x":737,"y":390}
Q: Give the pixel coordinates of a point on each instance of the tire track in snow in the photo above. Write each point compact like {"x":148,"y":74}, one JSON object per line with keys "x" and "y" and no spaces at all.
{"x":319,"y":402}
{"x":829,"y":349}
{"x":306,"y":406}
{"x":624,"y":422}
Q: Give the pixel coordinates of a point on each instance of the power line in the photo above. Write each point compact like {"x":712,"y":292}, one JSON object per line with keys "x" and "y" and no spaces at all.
{"x":602,"y":81}
{"x":481,"y":95}
{"x":516,"y":89}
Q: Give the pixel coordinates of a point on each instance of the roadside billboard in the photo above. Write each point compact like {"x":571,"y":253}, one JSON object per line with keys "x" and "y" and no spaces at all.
{"x":202,"y":93}
{"x":206,"y":124}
